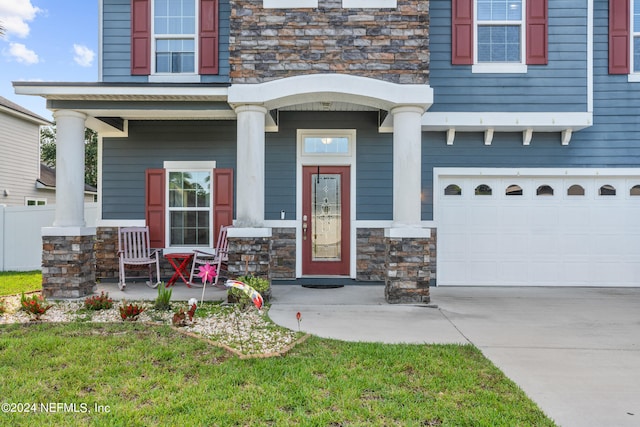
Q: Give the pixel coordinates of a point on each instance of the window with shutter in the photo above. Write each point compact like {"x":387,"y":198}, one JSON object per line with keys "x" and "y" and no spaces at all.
{"x":489,"y":34}
{"x":174,"y":37}
{"x":185,"y":202}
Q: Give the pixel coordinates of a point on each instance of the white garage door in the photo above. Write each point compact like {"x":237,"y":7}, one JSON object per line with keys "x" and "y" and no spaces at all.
{"x":540,"y":229}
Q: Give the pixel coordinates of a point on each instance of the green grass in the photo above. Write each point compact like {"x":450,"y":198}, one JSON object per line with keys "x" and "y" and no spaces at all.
{"x":152,"y":375}
{"x":16,"y":282}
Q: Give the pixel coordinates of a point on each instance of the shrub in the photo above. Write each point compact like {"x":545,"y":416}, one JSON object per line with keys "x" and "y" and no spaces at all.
{"x":130,"y":312}
{"x":98,"y":302}
{"x":164,"y":298}
{"x":35,"y":305}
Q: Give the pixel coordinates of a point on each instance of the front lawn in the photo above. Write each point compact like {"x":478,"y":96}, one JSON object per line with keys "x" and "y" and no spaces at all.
{"x":16,"y":282}
{"x":152,"y":375}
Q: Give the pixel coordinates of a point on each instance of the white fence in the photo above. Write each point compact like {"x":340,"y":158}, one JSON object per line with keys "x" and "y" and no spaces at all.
{"x":21,"y":234}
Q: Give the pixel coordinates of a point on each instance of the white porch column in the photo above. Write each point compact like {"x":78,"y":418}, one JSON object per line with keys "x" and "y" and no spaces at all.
{"x":407,"y":149}
{"x":250,"y":166}
{"x":69,"y":169}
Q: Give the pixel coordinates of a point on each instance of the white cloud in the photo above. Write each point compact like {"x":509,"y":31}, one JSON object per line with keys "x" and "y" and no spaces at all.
{"x":22,"y":54}
{"x":83,"y":55}
{"x":16,"y":15}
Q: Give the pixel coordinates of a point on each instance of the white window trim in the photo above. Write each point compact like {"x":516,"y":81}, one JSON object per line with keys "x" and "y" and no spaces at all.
{"x":175,"y":77}
{"x":632,"y":76}
{"x":181,"y":166}
{"x":500,"y":67}
{"x":326,"y":159}
{"x":289,"y":4}
{"x":364,"y":4}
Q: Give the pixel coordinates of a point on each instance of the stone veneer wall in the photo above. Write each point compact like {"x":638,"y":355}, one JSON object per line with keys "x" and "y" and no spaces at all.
{"x":408,"y":270}
{"x":283,"y":253}
{"x":370,"y":254}
{"x":68,"y":266}
{"x":249,"y":255}
{"x":385,"y":44}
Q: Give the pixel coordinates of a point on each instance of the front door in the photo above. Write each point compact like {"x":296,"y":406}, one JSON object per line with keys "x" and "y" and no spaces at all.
{"x":325,"y":220}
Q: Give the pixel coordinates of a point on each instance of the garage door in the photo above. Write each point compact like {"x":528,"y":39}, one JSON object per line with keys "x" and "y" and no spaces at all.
{"x":538,"y":230}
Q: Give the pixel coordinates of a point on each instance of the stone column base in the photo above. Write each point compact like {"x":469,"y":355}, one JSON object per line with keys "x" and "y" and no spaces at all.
{"x":249,"y":252}
{"x":407,"y":265}
{"x":68,"y":266}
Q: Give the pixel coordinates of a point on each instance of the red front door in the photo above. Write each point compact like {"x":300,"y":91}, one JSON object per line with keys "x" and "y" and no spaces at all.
{"x":325,"y":220}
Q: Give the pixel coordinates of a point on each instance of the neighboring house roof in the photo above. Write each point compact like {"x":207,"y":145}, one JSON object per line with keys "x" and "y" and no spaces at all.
{"x":17,"y":110}
{"x":48,"y":179}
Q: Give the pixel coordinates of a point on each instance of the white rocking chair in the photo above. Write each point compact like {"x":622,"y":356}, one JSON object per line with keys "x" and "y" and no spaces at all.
{"x":218,"y":258}
{"x":134,"y":249}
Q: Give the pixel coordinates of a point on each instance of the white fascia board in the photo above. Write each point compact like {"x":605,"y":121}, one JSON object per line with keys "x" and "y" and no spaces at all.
{"x":330,"y":87}
{"x":54,"y":91}
{"x":535,"y":172}
{"x":506,"y":122}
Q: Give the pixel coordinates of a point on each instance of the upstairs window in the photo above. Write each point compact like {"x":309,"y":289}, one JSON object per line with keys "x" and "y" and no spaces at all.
{"x":624,"y":38}
{"x":174,"y":34}
{"x":499,"y":26}
{"x":491,"y":34}
{"x":174,"y":38}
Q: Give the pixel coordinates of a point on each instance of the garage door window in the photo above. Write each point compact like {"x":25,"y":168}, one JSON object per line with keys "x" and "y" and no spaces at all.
{"x":453,"y":190}
{"x":544,"y":190}
{"x":513,"y":190}
{"x":607,"y":190}
{"x":483,"y":190}
{"x":635,"y":190}
{"x":575,"y":190}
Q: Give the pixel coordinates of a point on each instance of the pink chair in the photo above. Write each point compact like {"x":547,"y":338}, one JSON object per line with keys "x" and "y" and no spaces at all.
{"x":218,"y":257}
{"x":134,"y":249}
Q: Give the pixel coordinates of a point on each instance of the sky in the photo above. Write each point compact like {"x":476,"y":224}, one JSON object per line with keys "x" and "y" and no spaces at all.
{"x":48,"y":41}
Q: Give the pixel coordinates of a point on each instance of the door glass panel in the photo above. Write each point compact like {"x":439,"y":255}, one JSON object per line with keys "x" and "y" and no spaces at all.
{"x":326,"y":212}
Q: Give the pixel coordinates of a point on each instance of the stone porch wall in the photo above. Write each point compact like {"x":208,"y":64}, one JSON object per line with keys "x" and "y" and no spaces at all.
{"x":385,"y":44}
{"x":68,"y":266}
{"x":283,"y":253}
{"x":408,"y":270}
{"x":370,"y":254}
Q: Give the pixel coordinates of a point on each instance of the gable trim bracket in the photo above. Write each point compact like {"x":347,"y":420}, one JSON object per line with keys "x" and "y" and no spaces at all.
{"x":489,"y":123}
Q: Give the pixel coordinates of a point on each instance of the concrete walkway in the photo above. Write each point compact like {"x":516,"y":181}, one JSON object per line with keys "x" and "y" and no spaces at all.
{"x":574,"y":351}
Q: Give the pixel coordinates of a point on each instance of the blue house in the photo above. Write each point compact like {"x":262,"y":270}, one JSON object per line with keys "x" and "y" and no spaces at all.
{"x":418,"y":143}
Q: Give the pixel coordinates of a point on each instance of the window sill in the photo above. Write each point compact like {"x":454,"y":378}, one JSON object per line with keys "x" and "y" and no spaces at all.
{"x":632,"y":78}
{"x":499,"y":68}
{"x":174,"y":78}
{"x":289,"y":4}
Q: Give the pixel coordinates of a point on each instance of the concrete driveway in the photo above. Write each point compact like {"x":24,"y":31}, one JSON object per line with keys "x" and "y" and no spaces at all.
{"x":574,"y":351}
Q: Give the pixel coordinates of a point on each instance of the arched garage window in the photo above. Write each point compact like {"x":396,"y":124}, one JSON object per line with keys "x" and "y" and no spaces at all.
{"x":513,"y":190}
{"x":575,"y":190}
{"x":607,"y":190}
{"x":544,"y":190}
{"x":635,"y":190}
{"x":483,"y":190}
{"x":453,"y":190}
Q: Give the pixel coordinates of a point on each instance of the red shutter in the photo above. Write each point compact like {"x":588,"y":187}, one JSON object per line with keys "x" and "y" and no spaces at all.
{"x":619,"y":37}
{"x":462,"y":32}
{"x":141,"y":37}
{"x":155,"y":205}
{"x":223,"y":199}
{"x":208,"y":40}
{"x":537,"y":32}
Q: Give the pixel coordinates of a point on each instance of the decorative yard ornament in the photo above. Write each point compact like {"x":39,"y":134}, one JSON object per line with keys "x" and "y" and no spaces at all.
{"x":207,"y":273}
{"x":253,"y":294}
